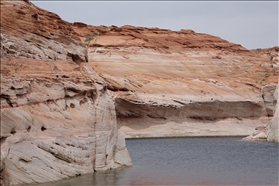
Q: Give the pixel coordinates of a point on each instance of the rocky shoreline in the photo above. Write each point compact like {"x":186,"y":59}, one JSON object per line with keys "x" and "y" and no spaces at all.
{"x":157,"y":129}
{"x":66,"y":109}
{"x":58,"y":119}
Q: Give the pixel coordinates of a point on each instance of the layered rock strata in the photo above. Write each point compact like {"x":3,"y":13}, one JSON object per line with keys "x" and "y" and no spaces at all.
{"x":182,"y":83}
{"x":30,"y":32}
{"x":58,"y":119}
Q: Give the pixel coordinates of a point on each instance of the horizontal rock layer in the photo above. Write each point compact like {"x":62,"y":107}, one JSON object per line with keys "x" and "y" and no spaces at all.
{"x":58,"y":119}
{"x":58,"y":116}
{"x":30,"y":32}
{"x":161,"y":78}
{"x":65,"y":122}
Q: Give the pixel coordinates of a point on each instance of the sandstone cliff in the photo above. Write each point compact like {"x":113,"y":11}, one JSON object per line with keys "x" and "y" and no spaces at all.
{"x":273,"y":128}
{"x":182,"y":83}
{"x":58,"y":119}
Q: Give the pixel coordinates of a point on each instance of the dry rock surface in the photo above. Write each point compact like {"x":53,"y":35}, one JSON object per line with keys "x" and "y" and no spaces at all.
{"x":273,"y":128}
{"x":62,"y":105}
{"x":181,"y":83}
{"x":268,"y":131}
{"x":30,"y":32}
{"x":58,"y":119}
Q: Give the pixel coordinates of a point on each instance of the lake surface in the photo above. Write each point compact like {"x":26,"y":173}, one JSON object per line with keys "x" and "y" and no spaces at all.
{"x":191,"y":161}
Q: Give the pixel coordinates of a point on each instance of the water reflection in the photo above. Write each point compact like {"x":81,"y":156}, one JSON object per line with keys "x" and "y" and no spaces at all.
{"x":191,"y":161}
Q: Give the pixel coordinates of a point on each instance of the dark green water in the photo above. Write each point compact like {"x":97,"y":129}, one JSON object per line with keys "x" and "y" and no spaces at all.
{"x":191,"y":161}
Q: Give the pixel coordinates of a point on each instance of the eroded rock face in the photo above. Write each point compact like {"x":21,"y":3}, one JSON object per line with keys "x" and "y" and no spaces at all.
{"x":58,"y":119}
{"x":56,"y":126}
{"x":268,"y":130}
{"x":30,"y":32}
{"x":273,"y":131}
{"x":182,"y":83}
{"x":268,"y":97}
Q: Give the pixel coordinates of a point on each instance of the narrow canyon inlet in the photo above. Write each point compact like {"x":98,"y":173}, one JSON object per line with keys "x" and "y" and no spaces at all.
{"x":191,"y":161}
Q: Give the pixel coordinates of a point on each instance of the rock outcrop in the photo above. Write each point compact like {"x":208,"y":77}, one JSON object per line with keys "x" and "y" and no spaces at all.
{"x":61,"y":103}
{"x":30,"y":32}
{"x":273,"y":131}
{"x":182,"y":83}
{"x":267,"y":131}
{"x":268,"y":97}
{"x":58,"y":119}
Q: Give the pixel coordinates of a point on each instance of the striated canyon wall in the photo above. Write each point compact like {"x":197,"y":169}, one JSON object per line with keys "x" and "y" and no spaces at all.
{"x":181,"y":83}
{"x":66,"y":109}
{"x":58,"y":119}
{"x":273,"y":128}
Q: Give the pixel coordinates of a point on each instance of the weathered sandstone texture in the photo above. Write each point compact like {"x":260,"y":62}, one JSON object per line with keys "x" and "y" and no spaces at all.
{"x":30,"y":32}
{"x":268,"y":97}
{"x":59,"y":114}
{"x":273,"y":131}
{"x":268,"y":131}
{"x":58,"y":119}
{"x":182,"y":83}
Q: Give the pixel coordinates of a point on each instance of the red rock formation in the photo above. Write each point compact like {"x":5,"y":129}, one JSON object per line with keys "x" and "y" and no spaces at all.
{"x":57,"y":118}
{"x":30,"y":32}
{"x":179,"y":79}
{"x":57,"y":108}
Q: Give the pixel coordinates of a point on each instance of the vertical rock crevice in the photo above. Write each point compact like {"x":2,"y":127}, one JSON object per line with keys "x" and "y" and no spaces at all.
{"x":57,"y":117}
{"x":273,"y":127}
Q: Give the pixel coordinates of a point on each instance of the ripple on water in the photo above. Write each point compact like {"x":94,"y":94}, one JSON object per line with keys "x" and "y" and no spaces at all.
{"x":191,"y":161}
